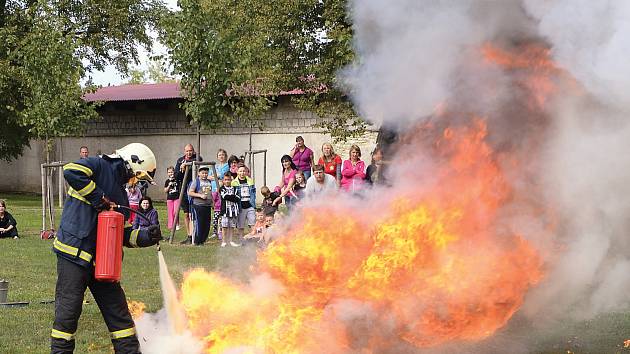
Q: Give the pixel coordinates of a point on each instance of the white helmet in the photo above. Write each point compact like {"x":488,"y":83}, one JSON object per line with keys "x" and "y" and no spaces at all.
{"x":140,"y":160}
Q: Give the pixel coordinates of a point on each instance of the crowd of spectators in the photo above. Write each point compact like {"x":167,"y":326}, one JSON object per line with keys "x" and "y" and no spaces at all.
{"x":225,"y":206}
{"x":229,"y":211}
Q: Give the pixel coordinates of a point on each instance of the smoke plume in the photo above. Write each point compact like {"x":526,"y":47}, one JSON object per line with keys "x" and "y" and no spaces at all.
{"x":156,"y":336}
{"x":417,"y":57}
{"x":512,"y":156}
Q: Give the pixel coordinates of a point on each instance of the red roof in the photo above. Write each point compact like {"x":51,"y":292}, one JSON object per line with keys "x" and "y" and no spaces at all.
{"x":138,"y":92}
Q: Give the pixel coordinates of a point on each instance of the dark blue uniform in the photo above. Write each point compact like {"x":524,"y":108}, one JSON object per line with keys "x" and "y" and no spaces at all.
{"x":89,"y":180}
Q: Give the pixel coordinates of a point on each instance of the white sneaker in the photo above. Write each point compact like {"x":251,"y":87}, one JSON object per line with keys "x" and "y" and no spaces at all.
{"x":223,"y":244}
{"x":15,"y":237}
{"x":234,"y":244}
{"x":177,"y":227}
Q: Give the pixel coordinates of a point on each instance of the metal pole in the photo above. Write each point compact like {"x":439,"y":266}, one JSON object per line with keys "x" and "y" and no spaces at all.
{"x":43,"y":197}
{"x":51,"y":198}
{"x":198,"y":142}
{"x":252,"y":163}
{"x":181,"y":197}
{"x":265,"y":167}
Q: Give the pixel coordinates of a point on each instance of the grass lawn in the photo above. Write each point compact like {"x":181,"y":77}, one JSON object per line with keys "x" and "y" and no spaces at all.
{"x":29,"y":265}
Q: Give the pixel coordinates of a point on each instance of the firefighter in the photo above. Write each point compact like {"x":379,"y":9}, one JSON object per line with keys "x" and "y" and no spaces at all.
{"x":96,"y":184}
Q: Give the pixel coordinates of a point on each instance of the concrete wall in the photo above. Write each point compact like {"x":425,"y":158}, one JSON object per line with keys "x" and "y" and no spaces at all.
{"x":156,"y":130}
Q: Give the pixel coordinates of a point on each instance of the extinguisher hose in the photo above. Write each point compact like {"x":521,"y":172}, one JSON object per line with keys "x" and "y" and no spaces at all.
{"x":142,"y":216}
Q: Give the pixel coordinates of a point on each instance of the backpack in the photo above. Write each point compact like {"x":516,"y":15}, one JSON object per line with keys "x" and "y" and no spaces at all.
{"x":190,"y":199}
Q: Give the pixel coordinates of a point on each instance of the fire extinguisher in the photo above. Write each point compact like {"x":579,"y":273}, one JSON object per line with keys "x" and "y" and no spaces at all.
{"x":109,"y":244}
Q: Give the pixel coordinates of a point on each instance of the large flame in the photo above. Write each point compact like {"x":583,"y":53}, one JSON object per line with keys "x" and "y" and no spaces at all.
{"x":430,"y":265}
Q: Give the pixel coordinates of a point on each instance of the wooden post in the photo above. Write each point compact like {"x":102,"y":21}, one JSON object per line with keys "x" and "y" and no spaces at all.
{"x":60,"y":174}
{"x":60,"y":177}
{"x":181,"y":197}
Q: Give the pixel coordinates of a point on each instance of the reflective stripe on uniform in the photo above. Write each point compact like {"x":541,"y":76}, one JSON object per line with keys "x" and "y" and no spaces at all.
{"x":77,"y":167}
{"x":73,"y":251}
{"x":124,"y":333}
{"x":75,"y":194}
{"x":133,"y":238}
{"x":87,"y":189}
{"x":62,"y":335}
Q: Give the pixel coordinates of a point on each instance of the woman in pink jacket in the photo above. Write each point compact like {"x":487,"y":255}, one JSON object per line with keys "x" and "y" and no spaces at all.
{"x":353,"y":171}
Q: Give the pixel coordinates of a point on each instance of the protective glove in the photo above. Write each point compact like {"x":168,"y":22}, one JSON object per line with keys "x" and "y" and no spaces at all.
{"x":149,"y":236}
{"x":105,"y":204}
{"x":155,"y":234}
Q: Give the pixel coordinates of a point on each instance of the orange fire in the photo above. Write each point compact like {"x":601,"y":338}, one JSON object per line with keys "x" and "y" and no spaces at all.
{"x":429,"y":266}
{"x":434,"y":266}
{"x":136,"y":308}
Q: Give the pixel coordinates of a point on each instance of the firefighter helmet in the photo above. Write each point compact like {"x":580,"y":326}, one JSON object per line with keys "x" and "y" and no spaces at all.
{"x":140,"y":160}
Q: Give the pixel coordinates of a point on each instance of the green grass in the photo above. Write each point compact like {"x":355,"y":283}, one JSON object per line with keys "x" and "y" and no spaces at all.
{"x":30,"y":267}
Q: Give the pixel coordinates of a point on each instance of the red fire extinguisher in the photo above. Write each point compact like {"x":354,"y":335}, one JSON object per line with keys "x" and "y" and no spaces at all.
{"x":109,"y":243}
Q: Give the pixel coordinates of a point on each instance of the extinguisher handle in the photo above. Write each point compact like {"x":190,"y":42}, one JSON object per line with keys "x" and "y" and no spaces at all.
{"x":140,"y":215}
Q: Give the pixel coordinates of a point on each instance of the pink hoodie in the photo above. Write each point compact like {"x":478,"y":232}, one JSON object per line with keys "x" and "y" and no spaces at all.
{"x":352,"y":177}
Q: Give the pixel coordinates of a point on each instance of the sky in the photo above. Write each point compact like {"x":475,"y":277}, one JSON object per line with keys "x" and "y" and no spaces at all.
{"x":110,"y":76}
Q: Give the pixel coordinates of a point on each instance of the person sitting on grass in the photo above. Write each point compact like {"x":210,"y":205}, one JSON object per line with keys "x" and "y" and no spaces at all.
{"x":320,"y":184}
{"x":268,"y":205}
{"x":256,"y":231}
{"x":146,"y":209}
{"x":8,"y":225}
{"x":299,"y":186}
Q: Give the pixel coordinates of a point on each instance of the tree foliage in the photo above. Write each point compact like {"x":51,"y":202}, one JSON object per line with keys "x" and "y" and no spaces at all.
{"x":235,"y":56}
{"x":48,"y":47}
{"x":156,"y":72}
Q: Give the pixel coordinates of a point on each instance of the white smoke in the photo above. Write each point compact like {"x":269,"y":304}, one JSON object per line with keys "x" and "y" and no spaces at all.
{"x":410,"y":52}
{"x":415,"y":55}
{"x":156,"y":336}
{"x":586,"y":169}
{"x":590,"y":39}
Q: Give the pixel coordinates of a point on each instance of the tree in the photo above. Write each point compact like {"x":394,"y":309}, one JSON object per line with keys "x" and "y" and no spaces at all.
{"x":234,"y":56}
{"x":155,"y":72}
{"x":158,"y":72}
{"x":48,"y":47}
{"x":137,"y":76}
